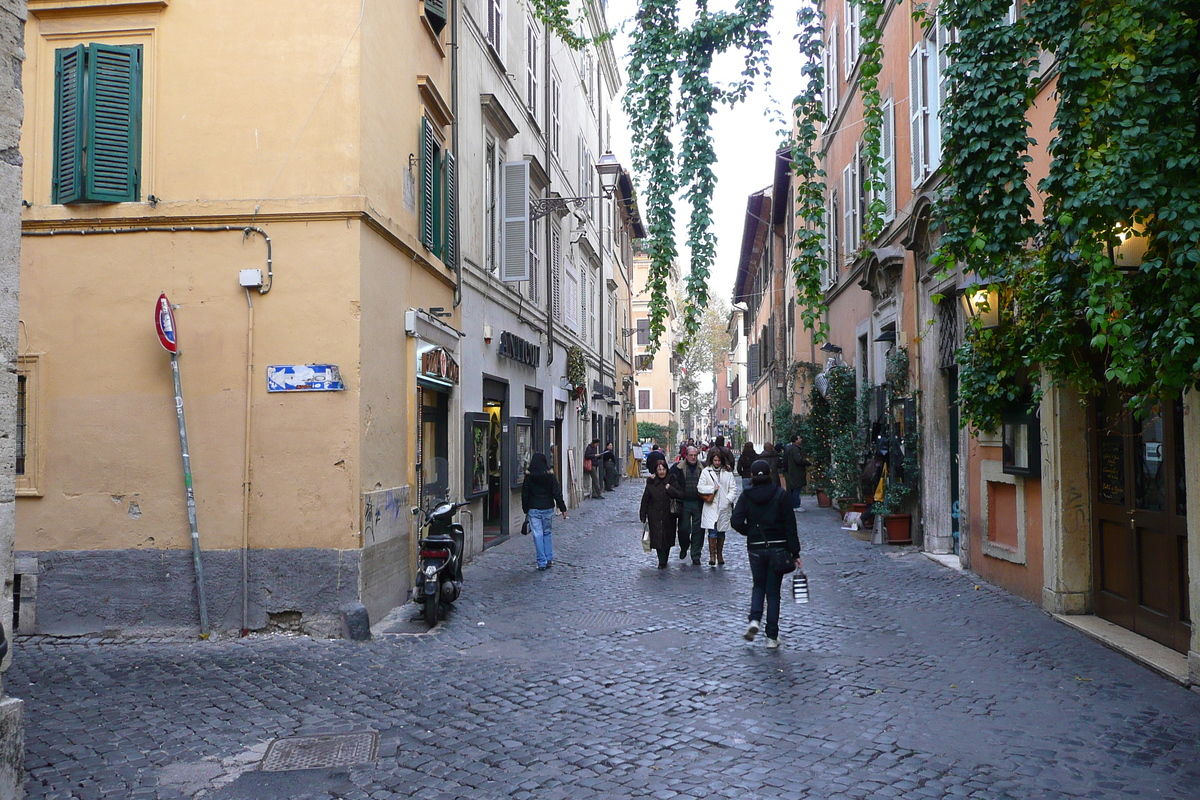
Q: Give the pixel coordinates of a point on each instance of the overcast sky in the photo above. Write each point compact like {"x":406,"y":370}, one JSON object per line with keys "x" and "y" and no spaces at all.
{"x":745,"y":136}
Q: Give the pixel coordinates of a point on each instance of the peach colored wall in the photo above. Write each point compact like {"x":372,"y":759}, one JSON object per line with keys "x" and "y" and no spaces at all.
{"x":1024,"y":580}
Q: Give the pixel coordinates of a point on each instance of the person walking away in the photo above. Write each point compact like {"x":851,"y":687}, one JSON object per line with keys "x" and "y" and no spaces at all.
{"x":610,"y":468}
{"x":771,"y":456}
{"x":592,"y":456}
{"x":687,"y":474}
{"x":795,"y":471}
{"x":656,"y":455}
{"x":540,"y":493}
{"x":723,"y":489}
{"x":764,"y":516}
{"x":745,"y":463}
{"x":655,"y":510}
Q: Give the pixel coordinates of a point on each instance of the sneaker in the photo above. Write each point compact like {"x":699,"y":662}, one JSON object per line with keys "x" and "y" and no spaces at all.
{"x":772,"y":644}
{"x":751,"y":631}
{"x":541,"y":569}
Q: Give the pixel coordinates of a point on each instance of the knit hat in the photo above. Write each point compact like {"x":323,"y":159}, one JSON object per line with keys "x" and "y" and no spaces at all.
{"x":760,"y":467}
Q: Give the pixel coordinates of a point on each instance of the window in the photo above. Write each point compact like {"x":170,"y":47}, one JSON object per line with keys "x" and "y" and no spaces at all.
{"x":97,"y":124}
{"x":853,"y":39}
{"x":435,"y":12}
{"x":533,"y":76}
{"x":439,"y":199}
{"x":887,"y":147}
{"x":535,"y":261}
{"x":495,"y":29}
{"x":514,"y":235}
{"x":851,"y":192}
{"x":643,"y":332}
{"x":927,"y":86}
{"x":832,"y":241}
{"x":612,"y":319}
{"x":28,"y":454}
{"x":593,"y":303}
{"x":643,"y":399}
{"x":571,"y":299}
{"x":555,"y":114}
{"x":490,"y":200}
{"x":830,"y":96}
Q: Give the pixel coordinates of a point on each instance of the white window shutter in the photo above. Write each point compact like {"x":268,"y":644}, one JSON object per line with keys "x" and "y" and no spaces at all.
{"x":848,"y":210}
{"x":916,"y":106}
{"x":556,"y":264}
{"x":571,"y":299}
{"x":888,"y":147}
{"x":933,"y":93}
{"x":515,"y":230}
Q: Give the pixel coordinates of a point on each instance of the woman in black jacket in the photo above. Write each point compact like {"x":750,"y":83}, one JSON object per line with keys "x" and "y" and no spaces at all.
{"x":746,"y":463}
{"x":661,"y":488}
{"x":765,"y":517}
{"x":540,"y":493}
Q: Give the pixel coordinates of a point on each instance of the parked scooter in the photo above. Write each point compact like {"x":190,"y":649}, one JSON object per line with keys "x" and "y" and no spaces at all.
{"x":439,"y":580}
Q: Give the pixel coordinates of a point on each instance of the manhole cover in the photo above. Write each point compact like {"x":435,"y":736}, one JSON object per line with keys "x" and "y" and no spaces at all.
{"x":316,"y":752}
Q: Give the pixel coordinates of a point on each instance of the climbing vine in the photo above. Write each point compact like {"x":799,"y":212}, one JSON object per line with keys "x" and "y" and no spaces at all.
{"x":1124,"y":169}
{"x":669,"y":84}
{"x":556,"y":16}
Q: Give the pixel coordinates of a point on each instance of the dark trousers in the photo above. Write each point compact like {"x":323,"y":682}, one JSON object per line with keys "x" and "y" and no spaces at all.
{"x":795,"y":493}
{"x":689,"y":529}
{"x":663,"y":554}
{"x":767,"y":583}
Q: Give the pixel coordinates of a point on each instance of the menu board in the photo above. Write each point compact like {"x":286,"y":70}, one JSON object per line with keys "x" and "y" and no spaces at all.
{"x":1112,"y":470}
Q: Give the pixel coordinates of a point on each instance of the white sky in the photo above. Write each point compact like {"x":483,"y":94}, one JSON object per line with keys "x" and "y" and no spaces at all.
{"x":745,"y":136}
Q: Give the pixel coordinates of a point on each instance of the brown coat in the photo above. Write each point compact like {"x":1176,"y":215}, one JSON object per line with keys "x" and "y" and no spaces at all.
{"x":656,"y":509}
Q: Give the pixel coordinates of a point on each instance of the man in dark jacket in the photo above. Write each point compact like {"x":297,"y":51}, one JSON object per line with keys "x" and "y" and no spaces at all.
{"x":595,"y":468}
{"x":656,"y":455}
{"x":763,"y":514}
{"x":687,"y":473}
{"x":795,"y":471}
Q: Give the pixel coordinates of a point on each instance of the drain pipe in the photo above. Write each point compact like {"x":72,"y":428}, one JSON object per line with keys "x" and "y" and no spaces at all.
{"x":550,"y":218}
{"x":457,"y":265}
{"x":246,"y":464}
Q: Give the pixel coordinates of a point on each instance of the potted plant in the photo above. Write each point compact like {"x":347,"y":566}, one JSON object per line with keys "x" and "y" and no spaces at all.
{"x":902,"y":483}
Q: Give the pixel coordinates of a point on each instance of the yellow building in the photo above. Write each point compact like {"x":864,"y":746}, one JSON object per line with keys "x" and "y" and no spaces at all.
{"x":192,"y":141}
{"x":657,"y":380}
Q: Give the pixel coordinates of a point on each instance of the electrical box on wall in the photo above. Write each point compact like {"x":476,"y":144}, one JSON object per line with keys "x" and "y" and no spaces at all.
{"x":251,"y":278}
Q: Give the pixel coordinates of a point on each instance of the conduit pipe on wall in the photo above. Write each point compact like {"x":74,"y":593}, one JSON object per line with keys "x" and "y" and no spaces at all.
{"x":246,"y":463}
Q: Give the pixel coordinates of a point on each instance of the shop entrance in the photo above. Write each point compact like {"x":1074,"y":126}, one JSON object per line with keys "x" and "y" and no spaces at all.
{"x":1139,"y":553}
{"x":495,"y":511}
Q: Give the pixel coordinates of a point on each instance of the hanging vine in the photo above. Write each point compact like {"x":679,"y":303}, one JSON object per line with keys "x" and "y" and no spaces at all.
{"x":1125,"y":162}
{"x":661,"y":53}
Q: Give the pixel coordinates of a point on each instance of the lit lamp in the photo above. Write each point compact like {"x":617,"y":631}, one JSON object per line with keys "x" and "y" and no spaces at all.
{"x":1131,"y":246}
{"x":981,"y":301}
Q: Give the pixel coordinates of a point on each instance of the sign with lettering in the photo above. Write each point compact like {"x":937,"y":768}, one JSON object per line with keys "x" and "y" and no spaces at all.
{"x":164,"y":323}
{"x":437,"y":363}
{"x":516,"y":348}
{"x":304,"y":378}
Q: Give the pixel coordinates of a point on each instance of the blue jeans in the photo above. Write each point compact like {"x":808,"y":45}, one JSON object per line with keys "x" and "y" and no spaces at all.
{"x":796,"y":497}
{"x":540,"y":520}
{"x":746,"y":484}
{"x":766,"y":586}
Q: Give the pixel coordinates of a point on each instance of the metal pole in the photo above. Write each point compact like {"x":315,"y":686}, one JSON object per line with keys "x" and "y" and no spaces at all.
{"x":191,"y":497}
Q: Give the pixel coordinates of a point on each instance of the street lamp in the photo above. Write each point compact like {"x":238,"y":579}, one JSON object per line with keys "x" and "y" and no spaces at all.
{"x":609,"y":169}
{"x":1130,"y":250}
{"x":981,"y":302}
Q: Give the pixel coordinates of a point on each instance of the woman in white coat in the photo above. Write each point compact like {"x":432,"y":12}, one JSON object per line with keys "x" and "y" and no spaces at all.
{"x":721,"y":487}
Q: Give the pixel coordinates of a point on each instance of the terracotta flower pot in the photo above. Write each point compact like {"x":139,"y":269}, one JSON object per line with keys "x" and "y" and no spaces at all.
{"x":899,"y":528}
{"x":859,"y":507}
{"x":823,"y":500}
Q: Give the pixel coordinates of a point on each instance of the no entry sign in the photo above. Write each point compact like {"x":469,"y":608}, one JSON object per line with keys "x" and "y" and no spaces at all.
{"x":164,"y":323}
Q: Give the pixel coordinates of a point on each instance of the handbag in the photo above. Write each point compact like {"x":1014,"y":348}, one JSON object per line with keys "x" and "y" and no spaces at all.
{"x":781,"y":561}
{"x":525,"y":526}
{"x":676,"y":507}
{"x":587,"y":465}
{"x":708,"y":498}
{"x":646,"y":537}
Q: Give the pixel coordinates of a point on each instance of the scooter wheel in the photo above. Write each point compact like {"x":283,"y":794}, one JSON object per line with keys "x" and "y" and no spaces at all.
{"x":431,"y":608}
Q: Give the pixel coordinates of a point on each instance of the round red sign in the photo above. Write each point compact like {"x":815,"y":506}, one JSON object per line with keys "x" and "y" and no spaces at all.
{"x":164,"y":322}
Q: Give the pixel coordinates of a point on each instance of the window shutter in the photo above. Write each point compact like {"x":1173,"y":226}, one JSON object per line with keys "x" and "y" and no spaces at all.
{"x":571,"y":299}
{"x":451,"y":250}
{"x":939,"y":87}
{"x":114,"y":99}
{"x":848,"y":209}
{"x":515,"y":230}
{"x":916,"y":116}
{"x":889,"y":160}
{"x":556,"y":263}
{"x":752,"y":363}
{"x":428,"y":150}
{"x":832,"y":73}
{"x":835,"y":243}
{"x":848,"y":46}
{"x":535,"y":263}
{"x":435,"y":12}
{"x":69,"y":128}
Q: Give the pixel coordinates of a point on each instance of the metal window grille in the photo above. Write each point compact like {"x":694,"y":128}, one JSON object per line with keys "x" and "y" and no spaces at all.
{"x":22,"y":400}
{"x":949,"y":332}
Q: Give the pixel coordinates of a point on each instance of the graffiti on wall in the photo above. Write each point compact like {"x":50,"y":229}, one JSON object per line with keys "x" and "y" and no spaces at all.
{"x":386,"y":515}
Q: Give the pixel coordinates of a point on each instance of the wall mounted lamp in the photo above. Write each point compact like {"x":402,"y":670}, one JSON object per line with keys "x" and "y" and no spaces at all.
{"x":609,"y":169}
{"x":888,"y":337}
{"x":981,"y":301}
{"x":829,"y":347}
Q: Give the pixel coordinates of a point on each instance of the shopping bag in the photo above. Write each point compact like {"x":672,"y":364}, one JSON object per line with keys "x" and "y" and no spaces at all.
{"x":646,"y":536}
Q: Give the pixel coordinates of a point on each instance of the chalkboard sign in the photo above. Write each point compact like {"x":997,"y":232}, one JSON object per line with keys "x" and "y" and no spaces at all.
{"x":1112,"y":470}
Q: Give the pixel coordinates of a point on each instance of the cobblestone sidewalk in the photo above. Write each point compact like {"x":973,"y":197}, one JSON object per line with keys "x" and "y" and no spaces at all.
{"x":604,"y":677}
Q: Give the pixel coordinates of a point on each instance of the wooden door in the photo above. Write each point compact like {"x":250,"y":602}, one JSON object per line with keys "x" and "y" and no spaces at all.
{"x":1140,"y":511}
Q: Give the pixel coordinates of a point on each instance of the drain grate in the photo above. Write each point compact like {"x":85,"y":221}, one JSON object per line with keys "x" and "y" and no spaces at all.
{"x":317,"y":752}
{"x":601,"y":620}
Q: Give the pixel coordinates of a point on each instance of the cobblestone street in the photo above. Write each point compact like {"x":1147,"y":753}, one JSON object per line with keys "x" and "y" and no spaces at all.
{"x":604,"y":677}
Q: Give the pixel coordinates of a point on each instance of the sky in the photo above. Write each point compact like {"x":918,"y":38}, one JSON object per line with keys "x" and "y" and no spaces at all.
{"x":745,"y":136}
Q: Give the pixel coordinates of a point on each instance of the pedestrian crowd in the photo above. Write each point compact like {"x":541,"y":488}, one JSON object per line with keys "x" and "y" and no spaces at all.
{"x":701,"y":496}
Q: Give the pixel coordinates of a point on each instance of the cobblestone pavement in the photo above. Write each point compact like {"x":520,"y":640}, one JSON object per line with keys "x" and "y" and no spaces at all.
{"x":604,"y":677}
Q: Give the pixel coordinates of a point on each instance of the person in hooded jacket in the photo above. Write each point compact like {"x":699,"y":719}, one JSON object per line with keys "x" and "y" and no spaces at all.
{"x":661,"y":488}
{"x":540,"y":493}
{"x":765,"y":517}
{"x":745,"y":463}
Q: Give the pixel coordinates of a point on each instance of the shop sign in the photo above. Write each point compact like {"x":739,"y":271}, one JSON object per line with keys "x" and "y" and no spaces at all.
{"x":437,"y":363}
{"x":518,"y":349}
{"x":304,"y":378}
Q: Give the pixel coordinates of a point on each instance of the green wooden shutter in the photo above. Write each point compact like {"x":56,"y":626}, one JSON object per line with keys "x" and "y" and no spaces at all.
{"x":428,"y":148}
{"x":69,"y":131}
{"x":114,"y":98}
{"x":451,"y":256}
{"x":435,"y":12}
{"x":439,"y":201}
